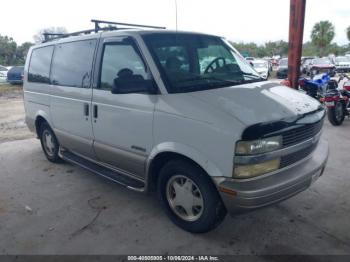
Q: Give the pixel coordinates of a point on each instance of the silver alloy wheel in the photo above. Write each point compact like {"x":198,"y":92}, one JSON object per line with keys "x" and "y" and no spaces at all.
{"x":184,"y":198}
{"x":49,"y":143}
{"x":339,"y":111}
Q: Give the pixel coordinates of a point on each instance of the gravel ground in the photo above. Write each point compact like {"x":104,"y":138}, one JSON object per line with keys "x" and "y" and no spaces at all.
{"x":12,"y":125}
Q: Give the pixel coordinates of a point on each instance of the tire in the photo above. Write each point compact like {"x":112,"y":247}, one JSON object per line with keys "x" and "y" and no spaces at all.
{"x":49,"y":143}
{"x":204,"y":218}
{"x":335,"y":115}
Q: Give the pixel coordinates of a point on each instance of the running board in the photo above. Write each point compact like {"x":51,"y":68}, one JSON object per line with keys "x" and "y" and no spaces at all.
{"x":124,"y":180}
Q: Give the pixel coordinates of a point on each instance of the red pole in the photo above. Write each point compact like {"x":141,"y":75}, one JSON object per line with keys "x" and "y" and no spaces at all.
{"x":296,"y":31}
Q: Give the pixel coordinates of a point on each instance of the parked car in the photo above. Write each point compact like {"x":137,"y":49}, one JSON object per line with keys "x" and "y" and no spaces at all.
{"x":306,"y":67}
{"x":136,"y":107}
{"x":262,"y":67}
{"x":15,"y":75}
{"x":321,"y":65}
{"x":305,"y":63}
{"x":282,"y":70}
{"x":3,"y":74}
{"x":342,"y":64}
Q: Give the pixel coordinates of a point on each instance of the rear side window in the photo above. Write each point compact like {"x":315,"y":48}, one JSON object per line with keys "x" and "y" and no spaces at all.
{"x":72,"y":63}
{"x":39,"y":67}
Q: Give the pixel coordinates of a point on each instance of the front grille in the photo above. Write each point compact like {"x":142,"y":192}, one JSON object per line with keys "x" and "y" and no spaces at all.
{"x":296,"y":156}
{"x":300,"y":134}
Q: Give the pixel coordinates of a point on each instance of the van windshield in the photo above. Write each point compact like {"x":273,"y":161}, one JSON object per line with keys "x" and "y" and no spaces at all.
{"x":191,"y":62}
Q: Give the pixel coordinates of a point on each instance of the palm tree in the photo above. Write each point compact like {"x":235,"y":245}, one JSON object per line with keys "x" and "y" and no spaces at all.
{"x":322,"y":35}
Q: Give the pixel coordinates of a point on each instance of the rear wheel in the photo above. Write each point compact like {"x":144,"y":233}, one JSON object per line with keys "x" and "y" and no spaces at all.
{"x":336,"y":114}
{"x":49,"y":143}
{"x":189,"y":197}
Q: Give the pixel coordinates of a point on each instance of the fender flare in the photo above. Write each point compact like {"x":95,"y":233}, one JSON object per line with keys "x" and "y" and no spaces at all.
{"x":43,"y":114}
{"x":172,"y":147}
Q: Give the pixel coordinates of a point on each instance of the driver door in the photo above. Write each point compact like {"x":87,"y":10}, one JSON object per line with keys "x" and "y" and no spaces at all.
{"x":122,"y":123}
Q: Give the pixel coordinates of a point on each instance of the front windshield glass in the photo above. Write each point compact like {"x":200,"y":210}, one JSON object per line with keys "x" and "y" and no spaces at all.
{"x":283,"y":62}
{"x":260,"y":64}
{"x":191,"y":62}
{"x":322,"y":61}
{"x":342,"y":59}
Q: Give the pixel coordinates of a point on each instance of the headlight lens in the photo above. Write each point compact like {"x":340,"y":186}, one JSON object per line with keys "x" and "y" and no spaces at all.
{"x":258,"y":146}
{"x":248,"y":171}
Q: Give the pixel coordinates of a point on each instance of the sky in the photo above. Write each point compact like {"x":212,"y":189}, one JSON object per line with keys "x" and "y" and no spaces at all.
{"x":256,"y":21}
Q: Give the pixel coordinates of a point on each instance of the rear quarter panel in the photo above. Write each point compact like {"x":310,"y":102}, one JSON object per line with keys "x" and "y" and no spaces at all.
{"x":36,"y":98}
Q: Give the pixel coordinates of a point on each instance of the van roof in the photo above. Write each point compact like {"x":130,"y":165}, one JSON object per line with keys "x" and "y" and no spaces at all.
{"x":120,"y":32}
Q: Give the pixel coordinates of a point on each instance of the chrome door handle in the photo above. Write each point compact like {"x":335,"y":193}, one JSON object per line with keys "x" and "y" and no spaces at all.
{"x":86,"y":109}
{"x":95,"y":111}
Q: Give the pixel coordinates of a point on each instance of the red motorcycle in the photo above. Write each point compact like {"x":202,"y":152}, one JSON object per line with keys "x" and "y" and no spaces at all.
{"x":337,"y":101}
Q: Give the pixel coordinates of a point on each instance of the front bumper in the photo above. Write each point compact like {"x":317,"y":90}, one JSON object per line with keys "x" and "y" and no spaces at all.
{"x":268,"y":189}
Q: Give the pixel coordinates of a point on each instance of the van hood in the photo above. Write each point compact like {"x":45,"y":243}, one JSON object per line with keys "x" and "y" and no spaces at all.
{"x":259,"y":102}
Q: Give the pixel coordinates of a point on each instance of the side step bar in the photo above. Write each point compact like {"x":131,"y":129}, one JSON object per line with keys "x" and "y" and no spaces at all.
{"x":115,"y":176}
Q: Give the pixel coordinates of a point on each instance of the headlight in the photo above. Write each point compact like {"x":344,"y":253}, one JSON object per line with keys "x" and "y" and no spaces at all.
{"x":258,"y":146}
{"x":248,"y":171}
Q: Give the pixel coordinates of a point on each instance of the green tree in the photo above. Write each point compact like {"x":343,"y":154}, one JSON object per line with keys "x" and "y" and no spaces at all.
{"x":348,"y":33}
{"x":322,"y":35}
{"x":7,"y":50}
{"x":276,"y":48}
{"x":21,"y":53}
{"x":39,"y":36}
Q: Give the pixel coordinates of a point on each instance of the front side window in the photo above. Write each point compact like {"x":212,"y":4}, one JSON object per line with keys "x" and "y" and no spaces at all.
{"x":39,"y":66}
{"x":72,"y":63}
{"x":121,"y":66}
{"x":191,"y":62}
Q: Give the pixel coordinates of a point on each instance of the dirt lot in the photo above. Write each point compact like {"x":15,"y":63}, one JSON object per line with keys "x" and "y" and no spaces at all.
{"x":62,"y":209}
{"x":12,"y":125}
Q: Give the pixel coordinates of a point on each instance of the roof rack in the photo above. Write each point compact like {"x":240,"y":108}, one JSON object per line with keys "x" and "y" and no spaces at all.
{"x":98,"y":22}
{"x":52,"y":36}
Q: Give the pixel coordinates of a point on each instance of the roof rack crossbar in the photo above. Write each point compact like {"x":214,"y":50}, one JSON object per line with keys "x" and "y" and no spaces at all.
{"x":47,"y":35}
{"x":53,"y":36}
{"x":85,"y":32}
{"x":97,"y":26}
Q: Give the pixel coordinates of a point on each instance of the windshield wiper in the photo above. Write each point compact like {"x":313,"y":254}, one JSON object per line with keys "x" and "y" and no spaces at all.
{"x":211,"y":78}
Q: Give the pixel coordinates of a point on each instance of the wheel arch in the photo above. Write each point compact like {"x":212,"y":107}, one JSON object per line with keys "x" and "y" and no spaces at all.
{"x":166,"y":152}
{"x":40,"y":118}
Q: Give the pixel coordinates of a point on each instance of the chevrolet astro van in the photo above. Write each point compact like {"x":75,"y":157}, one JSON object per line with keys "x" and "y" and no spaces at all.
{"x":178,"y":113}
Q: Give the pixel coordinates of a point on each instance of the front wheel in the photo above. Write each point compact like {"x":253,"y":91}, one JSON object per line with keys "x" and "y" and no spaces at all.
{"x":336,"y":114}
{"x":189,"y":197}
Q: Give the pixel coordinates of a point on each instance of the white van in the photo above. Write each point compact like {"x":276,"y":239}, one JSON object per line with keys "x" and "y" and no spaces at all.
{"x":147,"y":110}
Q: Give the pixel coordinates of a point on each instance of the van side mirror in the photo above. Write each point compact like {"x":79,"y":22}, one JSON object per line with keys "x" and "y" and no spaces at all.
{"x":251,"y":63}
{"x":132,"y":85}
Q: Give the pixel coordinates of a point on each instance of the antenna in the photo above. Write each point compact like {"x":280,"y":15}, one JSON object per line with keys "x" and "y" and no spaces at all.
{"x":176,"y":14}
